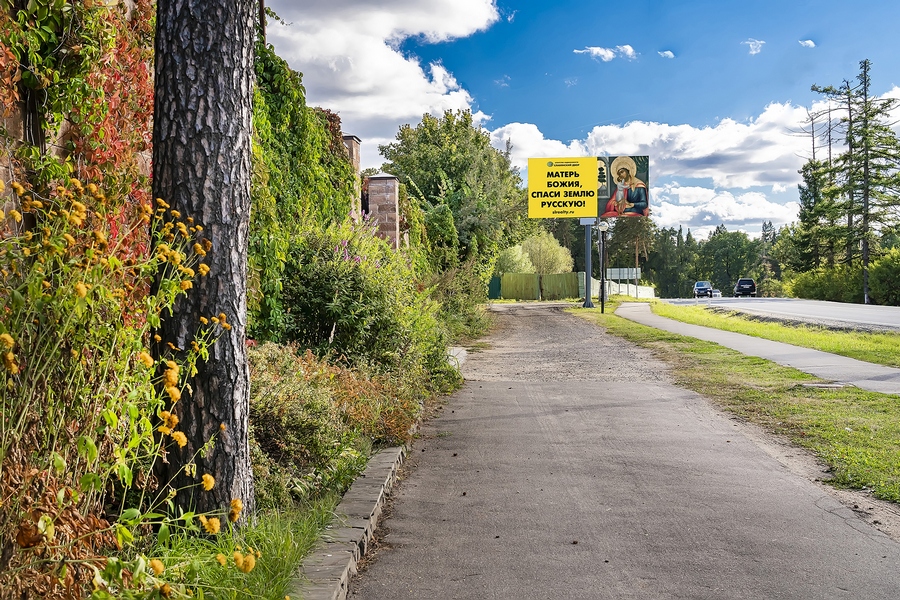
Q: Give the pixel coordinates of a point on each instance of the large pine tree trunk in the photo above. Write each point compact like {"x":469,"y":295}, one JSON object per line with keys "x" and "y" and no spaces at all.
{"x":201,"y":167}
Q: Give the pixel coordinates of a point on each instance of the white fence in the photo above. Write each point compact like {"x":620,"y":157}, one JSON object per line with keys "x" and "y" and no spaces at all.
{"x":623,"y":289}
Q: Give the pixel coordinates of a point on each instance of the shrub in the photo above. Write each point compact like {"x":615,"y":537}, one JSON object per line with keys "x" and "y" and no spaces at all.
{"x":348,"y":295}
{"x":841,"y":284}
{"x":80,"y":387}
{"x":884,"y":279}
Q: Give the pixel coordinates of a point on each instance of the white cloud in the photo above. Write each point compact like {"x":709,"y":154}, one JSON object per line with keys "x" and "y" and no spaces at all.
{"x":348,"y":53}
{"x":667,"y":54}
{"x":529,"y":142}
{"x":703,"y":209}
{"x":608,"y":54}
{"x":807,"y":43}
{"x":755,"y":45}
{"x":604,"y":54}
{"x":570,"y":81}
{"x":503,"y":81}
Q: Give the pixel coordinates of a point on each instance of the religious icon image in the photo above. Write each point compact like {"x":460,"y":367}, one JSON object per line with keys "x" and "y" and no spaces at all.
{"x":628,"y":194}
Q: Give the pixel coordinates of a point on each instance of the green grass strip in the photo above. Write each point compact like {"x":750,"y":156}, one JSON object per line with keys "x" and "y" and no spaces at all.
{"x":283,"y":539}
{"x":855,"y":432}
{"x":878,"y":348}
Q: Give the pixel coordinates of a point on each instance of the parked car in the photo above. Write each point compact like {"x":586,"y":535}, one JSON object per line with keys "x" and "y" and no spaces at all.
{"x":703,"y":288}
{"x":716,"y":294}
{"x":745,"y":287}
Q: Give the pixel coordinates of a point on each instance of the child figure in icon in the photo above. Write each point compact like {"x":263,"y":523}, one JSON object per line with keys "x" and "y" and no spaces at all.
{"x":629,"y":196}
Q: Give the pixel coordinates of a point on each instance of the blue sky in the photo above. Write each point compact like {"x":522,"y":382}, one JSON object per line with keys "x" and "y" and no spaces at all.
{"x":716,"y":92}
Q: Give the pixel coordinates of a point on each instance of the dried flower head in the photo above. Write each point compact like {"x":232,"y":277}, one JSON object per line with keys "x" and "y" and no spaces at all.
{"x":208,"y":481}
{"x":221,"y":559}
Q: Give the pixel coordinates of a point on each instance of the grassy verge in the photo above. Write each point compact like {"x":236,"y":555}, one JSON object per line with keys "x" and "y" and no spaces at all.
{"x":856,"y":433}
{"x":278,"y":540}
{"x":878,"y":348}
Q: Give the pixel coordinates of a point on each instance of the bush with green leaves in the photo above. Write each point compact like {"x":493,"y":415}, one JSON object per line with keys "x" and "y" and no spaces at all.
{"x":841,"y":284}
{"x":348,"y":295}
{"x":513,"y":260}
{"x":884,"y":278}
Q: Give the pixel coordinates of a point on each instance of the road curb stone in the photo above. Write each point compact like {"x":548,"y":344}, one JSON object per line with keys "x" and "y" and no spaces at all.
{"x":325,"y":574}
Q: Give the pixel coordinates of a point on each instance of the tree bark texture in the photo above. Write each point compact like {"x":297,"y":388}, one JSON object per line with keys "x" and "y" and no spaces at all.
{"x":201,"y":167}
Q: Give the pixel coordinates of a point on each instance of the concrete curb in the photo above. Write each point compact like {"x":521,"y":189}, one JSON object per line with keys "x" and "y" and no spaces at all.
{"x":325,"y":574}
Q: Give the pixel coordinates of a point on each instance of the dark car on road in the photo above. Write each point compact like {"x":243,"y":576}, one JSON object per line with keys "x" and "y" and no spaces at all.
{"x":703,"y":288}
{"x":745,"y":287}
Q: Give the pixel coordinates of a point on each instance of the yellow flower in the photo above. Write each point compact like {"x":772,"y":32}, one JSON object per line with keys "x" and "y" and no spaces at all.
{"x":80,"y":290}
{"x":170,"y":378}
{"x":211,"y":525}
{"x":7,"y":341}
{"x":204,"y":320}
{"x":222,"y":426}
{"x":145,"y":358}
{"x":221,"y":558}
{"x":238,"y":560}
{"x":17,"y":188}
{"x":207,"y":245}
{"x":2,"y":215}
{"x":69,"y":239}
{"x":164,"y":430}
{"x":208,"y":481}
{"x":166,"y":590}
{"x":198,"y":249}
{"x":157,"y":566}
{"x":175,"y":214}
{"x":186,"y":285}
{"x":169,"y":420}
{"x":179,"y":438}
{"x":15,"y":216}
{"x":175,"y":395}
{"x":226,"y":326}
{"x":236,"y":507}
{"x":9,"y":361}
{"x":249,"y":563}
{"x":203,"y":269}
{"x":157,"y":337}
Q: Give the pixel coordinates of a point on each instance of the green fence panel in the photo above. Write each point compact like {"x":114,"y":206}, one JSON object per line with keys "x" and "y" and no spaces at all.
{"x":559,"y":286}
{"x":494,"y":288}
{"x":520,"y":286}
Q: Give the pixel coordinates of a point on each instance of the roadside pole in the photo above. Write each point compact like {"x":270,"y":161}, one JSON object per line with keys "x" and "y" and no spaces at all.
{"x":587,"y":263}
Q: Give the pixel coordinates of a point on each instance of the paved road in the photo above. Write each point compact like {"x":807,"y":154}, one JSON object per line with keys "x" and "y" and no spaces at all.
{"x":833,"y":314}
{"x":569,"y":466}
{"x":875,"y":378}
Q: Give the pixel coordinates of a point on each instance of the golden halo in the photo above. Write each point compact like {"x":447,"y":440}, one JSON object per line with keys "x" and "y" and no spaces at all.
{"x":620,"y":162}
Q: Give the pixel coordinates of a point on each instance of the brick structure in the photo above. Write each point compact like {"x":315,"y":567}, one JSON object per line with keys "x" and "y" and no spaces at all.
{"x":353,"y":143}
{"x":383,"y":206}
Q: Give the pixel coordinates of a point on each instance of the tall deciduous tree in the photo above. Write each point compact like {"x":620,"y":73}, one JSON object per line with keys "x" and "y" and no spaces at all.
{"x":201,"y":161}
{"x":449,"y":161}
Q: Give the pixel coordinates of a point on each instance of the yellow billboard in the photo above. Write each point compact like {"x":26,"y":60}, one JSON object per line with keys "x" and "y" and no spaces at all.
{"x":562,"y":187}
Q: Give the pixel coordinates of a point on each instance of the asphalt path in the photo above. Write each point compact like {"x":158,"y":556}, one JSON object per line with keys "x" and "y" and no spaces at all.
{"x":834,"y":314}
{"x":831,"y":367}
{"x":570,"y":466}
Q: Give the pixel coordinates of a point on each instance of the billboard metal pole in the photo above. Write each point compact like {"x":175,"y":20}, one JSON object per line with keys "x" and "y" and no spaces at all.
{"x":587,"y":268}
{"x":601,"y":242}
